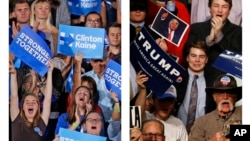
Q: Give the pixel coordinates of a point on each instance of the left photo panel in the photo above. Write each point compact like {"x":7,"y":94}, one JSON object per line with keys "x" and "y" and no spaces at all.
{"x":64,"y":70}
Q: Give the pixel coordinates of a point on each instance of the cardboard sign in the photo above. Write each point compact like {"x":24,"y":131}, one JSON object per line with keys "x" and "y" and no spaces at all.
{"x":86,"y":40}
{"x":162,"y":26}
{"x":229,"y":62}
{"x":147,"y":56}
{"x":83,"y":7}
{"x":113,"y":78}
{"x":71,"y":135}
{"x":135,"y":116}
{"x":32,"y":50}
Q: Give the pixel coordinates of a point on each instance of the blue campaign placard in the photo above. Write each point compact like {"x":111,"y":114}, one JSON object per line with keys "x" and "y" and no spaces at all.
{"x":147,"y":56}
{"x":71,"y":135}
{"x":83,"y":7}
{"x":32,"y":50}
{"x":112,"y":76}
{"x":229,"y":62}
{"x":86,"y":40}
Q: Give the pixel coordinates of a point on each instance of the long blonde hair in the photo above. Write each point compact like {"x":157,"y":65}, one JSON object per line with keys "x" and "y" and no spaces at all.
{"x":33,"y":17}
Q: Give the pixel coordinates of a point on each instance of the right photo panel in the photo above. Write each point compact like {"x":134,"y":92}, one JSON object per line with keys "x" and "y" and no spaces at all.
{"x":185,"y":69}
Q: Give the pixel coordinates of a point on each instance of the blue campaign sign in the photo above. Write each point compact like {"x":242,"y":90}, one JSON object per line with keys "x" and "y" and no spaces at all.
{"x":147,"y":56}
{"x":86,"y":40}
{"x":83,"y":7}
{"x":32,"y":50}
{"x":229,"y":62}
{"x":71,"y":135}
{"x":112,"y":76}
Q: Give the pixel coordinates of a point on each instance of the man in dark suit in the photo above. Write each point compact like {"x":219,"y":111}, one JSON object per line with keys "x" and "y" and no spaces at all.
{"x":197,"y":59}
{"x":218,"y":33}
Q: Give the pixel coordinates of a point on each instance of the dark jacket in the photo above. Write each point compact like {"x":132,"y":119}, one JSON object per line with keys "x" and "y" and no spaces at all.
{"x":232,"y":40}
{"x":182,"y":88}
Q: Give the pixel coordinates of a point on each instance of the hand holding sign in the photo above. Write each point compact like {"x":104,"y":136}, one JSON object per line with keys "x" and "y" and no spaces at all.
{"x":32,"y":50}
{"x":112,"y":76}
{"x":140,"y":79}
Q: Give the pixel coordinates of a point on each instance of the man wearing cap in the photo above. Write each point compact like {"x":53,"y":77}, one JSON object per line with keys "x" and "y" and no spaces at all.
{"x":210,"y":126}
{"x":164,"y":105}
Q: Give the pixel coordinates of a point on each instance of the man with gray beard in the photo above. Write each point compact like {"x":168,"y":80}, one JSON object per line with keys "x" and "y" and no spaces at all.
{"x":214,"y":125}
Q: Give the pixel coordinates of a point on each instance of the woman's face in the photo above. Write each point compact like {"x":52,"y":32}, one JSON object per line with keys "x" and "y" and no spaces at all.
{"x":30,"y":106}
{"x":42,"y":10}
{"x":30,"y":84}
{"x":82,"y":97}
{"x":93,"y":124}
{"x":88,"y":85}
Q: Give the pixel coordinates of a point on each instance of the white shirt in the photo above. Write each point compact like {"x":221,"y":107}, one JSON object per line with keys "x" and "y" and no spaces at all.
{"x":174,"y":128}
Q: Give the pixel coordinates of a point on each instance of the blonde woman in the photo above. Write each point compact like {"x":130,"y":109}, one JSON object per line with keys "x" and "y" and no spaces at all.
{"x":41,"y":15}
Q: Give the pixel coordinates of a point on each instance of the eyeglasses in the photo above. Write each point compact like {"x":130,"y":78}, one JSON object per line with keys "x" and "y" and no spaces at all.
{"x":93,"y":21}
{"x":151,"y":135}
{"x":92,"y":120}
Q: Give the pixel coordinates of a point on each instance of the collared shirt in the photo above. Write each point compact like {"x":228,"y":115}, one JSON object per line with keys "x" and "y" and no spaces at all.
{"x":205,"y":127}
{"x":201,"y":101}
{"x":105,"y":102}
{"x":114,"y":130}
{"x":135,"y":25}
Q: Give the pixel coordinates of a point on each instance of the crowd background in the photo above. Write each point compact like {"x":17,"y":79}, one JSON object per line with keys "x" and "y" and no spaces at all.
{"x":243,"y":71}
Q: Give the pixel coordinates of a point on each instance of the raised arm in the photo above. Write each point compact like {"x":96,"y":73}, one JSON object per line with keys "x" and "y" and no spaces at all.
{"x":77,"y":71}
{"x":141,"y":99}
{"x":47,"y":94}
{"x":14,"y":109}
{"x":116,"y":113}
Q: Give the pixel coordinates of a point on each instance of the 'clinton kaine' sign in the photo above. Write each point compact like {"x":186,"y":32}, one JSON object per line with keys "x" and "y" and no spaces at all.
{"x":160,"y":68}
{"x":86,"y":40}
{"x":83,"y":7}
{"x":32,"y":50}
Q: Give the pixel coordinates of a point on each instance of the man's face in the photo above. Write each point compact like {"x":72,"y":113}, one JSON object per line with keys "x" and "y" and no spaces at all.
{"x":93,"y":20}
{"x":98,"y":66}
{"x":163,"y":107}
{"x":137,"y":16}
{"x":225,"y":101}
{"x":152,"y":131}
{"x":22,"y":13}
{"x":220,"y":8}
{"x":114,"y":36}
{"x":196,"y":59}
{"x":173,"y":25}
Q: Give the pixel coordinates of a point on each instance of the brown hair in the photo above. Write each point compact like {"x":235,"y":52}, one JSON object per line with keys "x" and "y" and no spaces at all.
{"x":22,"y":114}
{"x":199,"y":45}
{"x":227,"y":1}
{"x":72,"y":106}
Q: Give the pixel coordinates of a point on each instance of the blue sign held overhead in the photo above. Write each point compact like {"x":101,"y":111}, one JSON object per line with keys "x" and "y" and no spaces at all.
{"x":83,"y":7}
{"x":32,"y":50}
{"x":112,"y":76}
{"x":229,"y":62}
{"x":86,"y":40}
{"x":148,"y":57}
